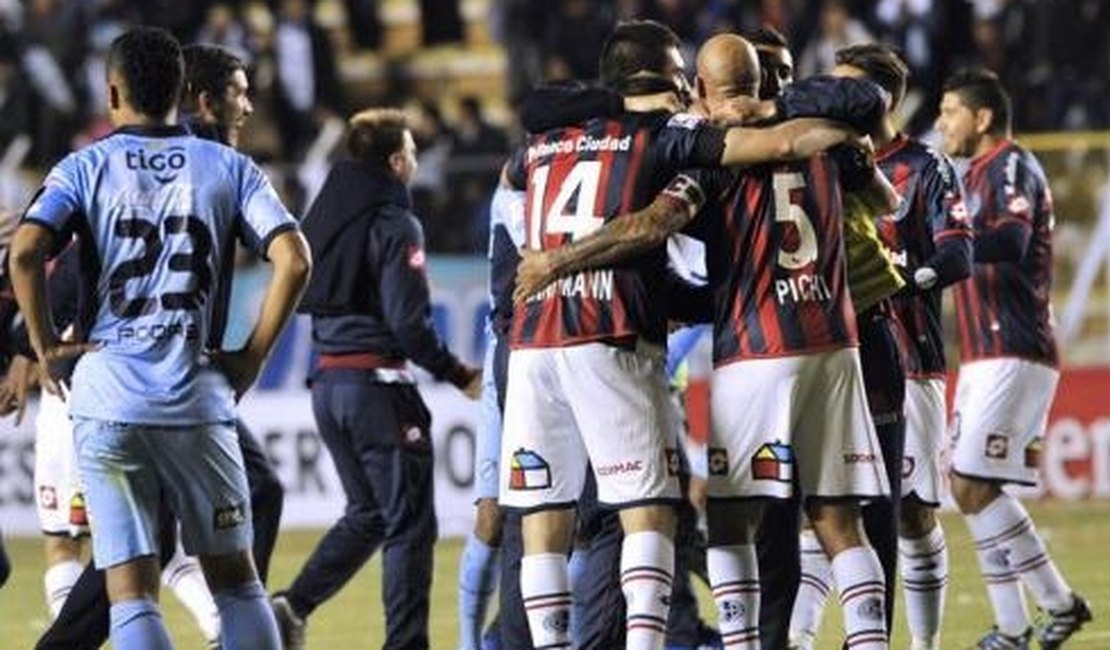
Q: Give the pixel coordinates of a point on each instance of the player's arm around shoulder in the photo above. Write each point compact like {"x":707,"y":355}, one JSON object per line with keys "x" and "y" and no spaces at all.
{"x":792,"y":140}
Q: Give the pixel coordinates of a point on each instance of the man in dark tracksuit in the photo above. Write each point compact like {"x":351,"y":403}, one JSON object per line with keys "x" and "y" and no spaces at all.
{"x":216,"y":106}
{"x":369,"y":302}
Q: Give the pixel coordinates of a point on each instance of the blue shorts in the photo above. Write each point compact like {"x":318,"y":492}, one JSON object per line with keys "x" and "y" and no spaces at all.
{"x":488,"y":448}
{"x":126,"y":467}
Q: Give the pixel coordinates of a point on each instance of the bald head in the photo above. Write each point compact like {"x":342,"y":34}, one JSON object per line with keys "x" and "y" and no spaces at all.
{"x":728,"y":67}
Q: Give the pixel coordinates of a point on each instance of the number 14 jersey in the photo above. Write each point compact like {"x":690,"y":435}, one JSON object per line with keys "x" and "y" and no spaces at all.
{"x":157,"y":212}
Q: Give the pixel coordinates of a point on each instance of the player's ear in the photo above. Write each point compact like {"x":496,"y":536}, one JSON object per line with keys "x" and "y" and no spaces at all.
{"x":397,"y":162}
{"x":205,"y":106}
{"x":984,"y":120}
{"x":114,"y":99}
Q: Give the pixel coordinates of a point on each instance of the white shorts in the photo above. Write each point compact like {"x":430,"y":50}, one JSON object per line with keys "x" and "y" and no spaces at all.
{"x":591,"y":403}
{"x":804,"y":417}
{"x":926,"y":417}
{"x":58,"y":492}
{"x":1000,"y":415}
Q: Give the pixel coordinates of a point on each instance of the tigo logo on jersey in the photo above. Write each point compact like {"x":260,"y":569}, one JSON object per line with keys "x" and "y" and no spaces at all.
{"x":165,"y":164}
{"x":529,"y":471}
{"x":718,"y":461}
{"x":773,"y":461}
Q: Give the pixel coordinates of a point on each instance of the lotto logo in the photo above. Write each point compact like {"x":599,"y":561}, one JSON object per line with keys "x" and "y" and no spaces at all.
{"x":718,"y":461}
{"x":529,"y":471}
{"x":997,"y":447}
{"x":48,"y":497}
{"x":773,"y":461}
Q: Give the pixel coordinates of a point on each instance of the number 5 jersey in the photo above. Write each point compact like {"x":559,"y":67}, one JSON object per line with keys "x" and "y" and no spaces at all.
{"x":156,"y":212}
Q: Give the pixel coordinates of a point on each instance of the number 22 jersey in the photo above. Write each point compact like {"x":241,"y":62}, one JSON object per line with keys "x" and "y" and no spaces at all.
{"x":157,"y":213}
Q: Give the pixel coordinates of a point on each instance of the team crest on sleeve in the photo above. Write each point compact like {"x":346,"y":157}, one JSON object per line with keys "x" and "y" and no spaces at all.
{"x":416,"y":258}
{"x":685,"y":121}
{"x":774,"y":461}
{"x":529,"y":471}
{"x":718,"y":461}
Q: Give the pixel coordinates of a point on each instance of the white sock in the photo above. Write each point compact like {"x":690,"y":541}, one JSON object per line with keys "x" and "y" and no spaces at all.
{"x":647,"y":570}
{"x":859,"y":579}
{"x":924,"y":581}
{"x":813,"y":591}
{"x":545,"y":588}
{"x":1003,"y":585}
{"x":1028,"y":556}
{"x":184,"y":577}
{"x":734,"y":578}
{"x":58,"y":582}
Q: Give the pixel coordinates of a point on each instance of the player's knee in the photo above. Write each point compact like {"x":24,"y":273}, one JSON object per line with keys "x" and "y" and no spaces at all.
{"x":916,"y":519}
{"x":487,"y":523}
{"x":836,"y":523}
{"x":62,"y":548}
{"x":653,"y":518}
{"x":547,"y":531}
{"x":228,"y":570}
{"x":733,"y":522}
{"x":136,"y":579}
{"x":972,"y":495}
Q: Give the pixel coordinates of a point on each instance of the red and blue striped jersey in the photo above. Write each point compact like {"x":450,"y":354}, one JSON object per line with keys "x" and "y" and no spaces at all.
{"x":931,"y":214}
{"x":775,"y":256}
{"x":576,"y":179}
{"x":1004,"y":308}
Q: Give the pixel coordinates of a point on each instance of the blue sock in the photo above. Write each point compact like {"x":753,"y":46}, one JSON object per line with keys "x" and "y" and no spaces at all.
{"x":138,"y":624}
{"x":575,"y":566}
{"x":246,"y":620}
{"x":477,"y":579}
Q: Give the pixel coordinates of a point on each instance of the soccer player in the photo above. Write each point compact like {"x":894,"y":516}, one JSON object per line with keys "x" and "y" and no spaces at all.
{"x":930,"y":238}
{"x":477,"y":568}
{"x":153,"y":399}
{"x":751,"y":211}
{"x":371,"y":313}
{"x":585,"y":373}
{"x":214,"y":105}
{"x":1008,"y":362}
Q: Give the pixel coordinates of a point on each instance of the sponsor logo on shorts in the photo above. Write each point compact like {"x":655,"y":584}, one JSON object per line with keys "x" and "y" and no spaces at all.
{"x":621,"y":467}
{"x":908,"y":465}
{"x":859,"y":457}
{"x":871,"y":609}
{"x":718,"y":461}
{"x":673,"y":463}
{"x":1033,"y":453}
{"x":78,"y":516}
{"x":229,"y":517}
{"x":997,"y":447}
{"x":48,"y":497}
{"x":529,"y":471}
{"x":773,"y":461}
{"x":558,"y":622}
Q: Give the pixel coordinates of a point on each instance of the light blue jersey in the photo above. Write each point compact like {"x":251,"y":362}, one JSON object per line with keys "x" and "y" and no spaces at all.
{"x":157,"y":212}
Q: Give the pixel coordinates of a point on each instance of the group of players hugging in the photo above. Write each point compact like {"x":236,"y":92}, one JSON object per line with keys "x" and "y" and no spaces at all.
{"x":790,"y":218}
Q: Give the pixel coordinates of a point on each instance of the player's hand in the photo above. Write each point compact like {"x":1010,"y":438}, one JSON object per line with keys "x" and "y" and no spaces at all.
{"x":54,"y":361}
{"x":241,"y":367}
{"x":22,"y":377}
{"x":532,"y":274}
{"x":473,"y":388}
{"x":743,"y":110}
{"x":697,"y":493}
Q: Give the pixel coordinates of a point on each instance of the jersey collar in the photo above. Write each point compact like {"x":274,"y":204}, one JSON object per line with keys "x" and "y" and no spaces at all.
{"x":892,"y":147}
{"x":153,"y":130}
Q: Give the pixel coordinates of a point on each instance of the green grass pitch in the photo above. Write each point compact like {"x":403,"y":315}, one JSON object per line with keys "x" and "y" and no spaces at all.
{"x":1078,"y":535}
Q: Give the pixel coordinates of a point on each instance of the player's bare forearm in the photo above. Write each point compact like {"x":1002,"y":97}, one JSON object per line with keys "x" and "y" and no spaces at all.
{"x":292,"y":262}
{"x":879,"y":195}
{"x":27,"y":264}
{"x":618,"y":240}
{"x":793,"y":140}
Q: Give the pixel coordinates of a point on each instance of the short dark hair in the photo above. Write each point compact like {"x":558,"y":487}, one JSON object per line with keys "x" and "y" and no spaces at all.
{"x":375,"y":134}
{"x":148,"y":59}
{"x":881,"y":64}
{"x":767,"y":36}
{"x":636,"y":46}
{"x":208,"y":68}
{"x":980,"y":88}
